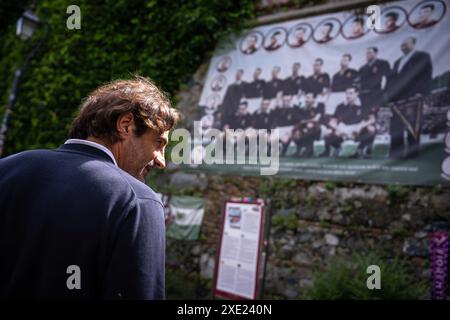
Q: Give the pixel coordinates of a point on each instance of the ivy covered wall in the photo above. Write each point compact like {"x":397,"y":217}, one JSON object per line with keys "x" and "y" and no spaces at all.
{"x":164,"y":40}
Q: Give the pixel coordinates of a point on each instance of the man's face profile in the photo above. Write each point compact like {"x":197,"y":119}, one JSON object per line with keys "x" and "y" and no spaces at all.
{"x":137,"y":155}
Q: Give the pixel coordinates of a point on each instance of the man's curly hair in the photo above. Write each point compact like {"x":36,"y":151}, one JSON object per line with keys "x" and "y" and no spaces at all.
{"x":98,"y":114}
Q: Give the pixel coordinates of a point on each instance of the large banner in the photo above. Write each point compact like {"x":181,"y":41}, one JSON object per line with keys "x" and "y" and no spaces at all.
{"x":350,"y":100}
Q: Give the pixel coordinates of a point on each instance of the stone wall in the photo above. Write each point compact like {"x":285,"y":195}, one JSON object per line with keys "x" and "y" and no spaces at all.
{"x":313,"y":222}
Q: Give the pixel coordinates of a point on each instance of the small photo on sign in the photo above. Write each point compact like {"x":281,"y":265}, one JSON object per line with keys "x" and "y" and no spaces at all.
{"x":392,"y":19}
{"x":275,"y":38}
{"x":234,"y":217}
{"x":251,"y":42}
{"x":223,"y":64}
{"x":218,"y":83}
{"x":426,"y":14}
{"x":299,"y":34}
{"x":355,"y":27}
{"x":327,"y":30}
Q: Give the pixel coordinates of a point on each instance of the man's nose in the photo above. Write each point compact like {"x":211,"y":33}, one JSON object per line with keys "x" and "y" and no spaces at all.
{"x":160,"y":162}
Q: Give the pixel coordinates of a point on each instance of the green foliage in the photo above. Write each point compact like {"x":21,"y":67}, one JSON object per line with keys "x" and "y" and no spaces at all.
{"x":347,"y":280}
{"x":181,"y":285}
{"x":164,"y":40}
{"x":289,"y":222}
{"x":397,"y":192}
{"x":330,"y":186}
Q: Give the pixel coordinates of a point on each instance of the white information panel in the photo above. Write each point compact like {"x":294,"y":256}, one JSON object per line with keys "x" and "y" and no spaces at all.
{"x":237,"y":266}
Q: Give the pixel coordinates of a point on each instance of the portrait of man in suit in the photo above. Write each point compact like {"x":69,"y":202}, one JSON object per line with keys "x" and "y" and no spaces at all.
{"x":299,"y":35}
{"x":390,"y":22}
{"x":325,"y":32}
{"x":410,"y":78}
{"x":425,"y":18}
{"x":224,"y":64}
{"x":275,"y":41}
{"x":250,"y":44}
{"x":85,"y":203}
{"x":357,"y":28}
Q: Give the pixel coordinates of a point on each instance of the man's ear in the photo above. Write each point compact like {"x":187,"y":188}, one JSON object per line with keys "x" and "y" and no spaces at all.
{"x":124,"y":124}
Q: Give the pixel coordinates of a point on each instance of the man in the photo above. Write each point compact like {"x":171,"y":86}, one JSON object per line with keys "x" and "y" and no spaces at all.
{"x":351,"y":121}
{"x":373,"y":78}
{"x":411,"y":78}
{"x":390,"y":22}
{"x":255,"y":88}
{"x":293,"y":84}
{"x":318,"y":82}
{"x":273,"y":86}
{"x":308,"y":128}
{"x":242,"y":119}
{"x":299,"y":38}
{"x":251,"y":44}
{"x":326,"y":30}
{"x":345,"y":77}
{"x":232,"y":98}
{"x":78,"y":222}
{"x":262,"y":118}
{"x":274,"y":44}
{"x":357,"y":28}
{"x":286,"y":115}
{"x":425,"y":19}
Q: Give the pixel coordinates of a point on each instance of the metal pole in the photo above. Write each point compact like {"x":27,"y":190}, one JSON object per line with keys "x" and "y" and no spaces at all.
{"x":9,"y":106}
{"x":14,"y":91}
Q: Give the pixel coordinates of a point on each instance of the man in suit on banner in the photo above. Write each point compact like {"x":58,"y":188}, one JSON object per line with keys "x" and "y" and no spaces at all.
{"x":318,"y":82}
{"x":232,"y":98}
{"x":351,"y":121}
{"x":410,"y":80}
{"x":425,"y":17}
{"x":273,"y":86}
{"x":373,"y":78}
{"x":345,"y":77}
{"x":255,"y":88}
{"x":295,"y":82}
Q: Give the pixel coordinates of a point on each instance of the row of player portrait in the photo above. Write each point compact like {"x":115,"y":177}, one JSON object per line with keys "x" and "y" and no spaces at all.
{"x":337,"y":122}
{"x":424,"y":15}
{"x":372,"y":75}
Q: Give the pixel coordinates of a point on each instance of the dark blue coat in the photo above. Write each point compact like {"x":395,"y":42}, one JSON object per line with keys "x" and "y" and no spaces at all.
{"x":73,"y":206}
